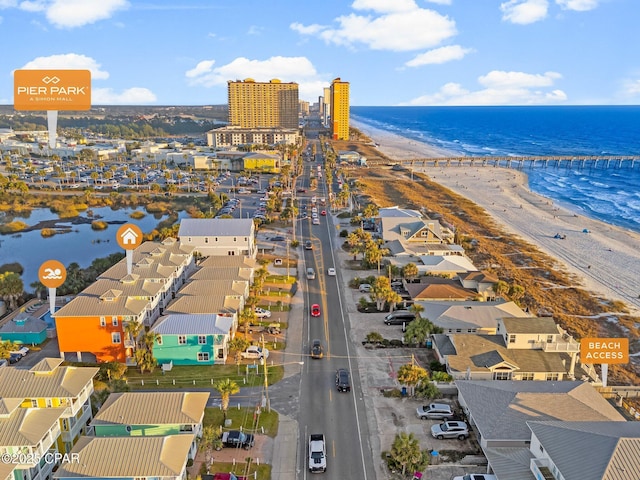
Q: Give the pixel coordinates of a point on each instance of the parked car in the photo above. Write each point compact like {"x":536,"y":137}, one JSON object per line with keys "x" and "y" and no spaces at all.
{"x":278,"y":238}
{"x":315,"y":310}
{"x":440,"y":411}
{"x":4,"y":362}
{"x":343,"y":382}
{"x":255,"y":352}
{"x":458,"y":430}
{"x":262,"y":313}
{"x":316,"y":349}
{"x":236,"y":439}
{"x":22,"y":351}
{"x":331,"y":272}
{"x":364,"y":288}
{"x":399,"y":318}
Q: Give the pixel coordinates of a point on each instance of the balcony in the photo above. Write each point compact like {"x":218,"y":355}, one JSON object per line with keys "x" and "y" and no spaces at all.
{"x":557,"y":347}
{"x":541,"y":468}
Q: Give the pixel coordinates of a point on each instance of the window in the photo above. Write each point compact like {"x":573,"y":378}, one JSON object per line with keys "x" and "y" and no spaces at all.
{"x":206,"y":239}
{"x":103,"y":322}
{"x":34,"y":403}
{"x":159,"y":340}
{"x":186,"y":428}
{"x":512,"y":339}
{"x":114,"y":321}
{"x":202,"y":339}
{"x":552,"y":377}
{"x":502,"y":376}
{"x":527,"y":376}
{"x":115,"y":337}
{"x":182,"y":340}
{"x":549,"y":338}
{"x":235,"y":239}
{"x":203,"y":356}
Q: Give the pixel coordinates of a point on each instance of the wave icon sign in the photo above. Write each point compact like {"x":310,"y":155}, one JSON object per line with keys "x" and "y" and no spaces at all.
{"x":47,"y":80}
{"x":52,"y":274}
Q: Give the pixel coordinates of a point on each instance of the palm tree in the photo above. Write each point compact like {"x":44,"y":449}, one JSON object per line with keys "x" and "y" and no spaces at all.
{"x":6,"y":347}
{"x":405,"y":451}
{"x":417,"y":309}
{"x":226,"y":388}
{"x":11,"y":288}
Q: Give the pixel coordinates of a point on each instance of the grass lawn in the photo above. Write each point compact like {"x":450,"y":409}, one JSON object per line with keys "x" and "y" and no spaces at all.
{"x":264,"y":471}
{"x":244,"y":417}
{"x":184,"y":377}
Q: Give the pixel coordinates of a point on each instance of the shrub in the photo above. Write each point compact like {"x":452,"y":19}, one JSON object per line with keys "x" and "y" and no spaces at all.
{"x":99,"y":225}
{"x":344,"y":233}
{"x":48,"y":232}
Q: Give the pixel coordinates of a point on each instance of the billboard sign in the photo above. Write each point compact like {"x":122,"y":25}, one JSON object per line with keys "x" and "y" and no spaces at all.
{"x":52,"y":90}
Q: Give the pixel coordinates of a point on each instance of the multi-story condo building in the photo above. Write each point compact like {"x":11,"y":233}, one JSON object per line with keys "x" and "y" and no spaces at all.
{"x":43,"y":412}
{"x":339,"y":100}
{"x":263,"y":104}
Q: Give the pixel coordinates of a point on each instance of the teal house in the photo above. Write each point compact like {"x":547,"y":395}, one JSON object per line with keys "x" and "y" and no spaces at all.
{"x":193,"y":339}
{"x":145,"y":414}
{"x":24,"y":329}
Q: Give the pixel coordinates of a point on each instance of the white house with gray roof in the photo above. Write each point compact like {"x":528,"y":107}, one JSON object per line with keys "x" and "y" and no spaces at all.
{"x":507,"y":414}
{"x":219,"y":236}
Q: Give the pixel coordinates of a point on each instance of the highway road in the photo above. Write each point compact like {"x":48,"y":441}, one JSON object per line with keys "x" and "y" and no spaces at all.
{"x":341,"y":417}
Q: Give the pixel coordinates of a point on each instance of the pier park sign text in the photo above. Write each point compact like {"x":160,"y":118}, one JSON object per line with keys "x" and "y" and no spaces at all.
{"x":52,"y":90}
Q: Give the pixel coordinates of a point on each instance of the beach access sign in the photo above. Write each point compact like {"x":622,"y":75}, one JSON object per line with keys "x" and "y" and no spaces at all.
{"x":52,"y":90}
{"x":604,"y":350}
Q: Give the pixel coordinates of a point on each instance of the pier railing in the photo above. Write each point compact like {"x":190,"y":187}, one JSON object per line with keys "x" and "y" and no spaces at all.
{"x":566,"y":161}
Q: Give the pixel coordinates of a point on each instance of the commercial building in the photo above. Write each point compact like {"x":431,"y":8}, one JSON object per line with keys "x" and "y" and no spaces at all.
{"x":263,"y":104}
{"x":339,"y":100}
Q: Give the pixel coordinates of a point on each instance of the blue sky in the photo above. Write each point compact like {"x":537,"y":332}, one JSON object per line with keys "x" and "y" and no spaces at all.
{"x":393,"y":52}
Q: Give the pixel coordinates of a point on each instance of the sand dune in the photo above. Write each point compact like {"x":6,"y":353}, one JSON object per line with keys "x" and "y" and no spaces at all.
{"x":607,"y":259}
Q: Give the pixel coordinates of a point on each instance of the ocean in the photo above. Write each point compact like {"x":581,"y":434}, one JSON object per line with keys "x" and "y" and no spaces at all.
{"x":611,"y":195}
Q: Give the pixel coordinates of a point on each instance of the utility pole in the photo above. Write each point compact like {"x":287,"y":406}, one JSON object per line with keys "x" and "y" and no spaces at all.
{"x":266,"y":382}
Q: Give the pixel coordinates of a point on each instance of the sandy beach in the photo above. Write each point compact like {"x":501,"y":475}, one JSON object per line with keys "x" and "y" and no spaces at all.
{"x":606,"y":259}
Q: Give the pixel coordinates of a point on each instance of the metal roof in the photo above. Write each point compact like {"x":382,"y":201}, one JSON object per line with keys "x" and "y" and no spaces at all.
{"x":193,"y":324}
{"x":112,"y":457}
{"x":212,"y":227}
{"x":27,"y":426}
{"x":152,"y":408}
{"x":592,"y":450}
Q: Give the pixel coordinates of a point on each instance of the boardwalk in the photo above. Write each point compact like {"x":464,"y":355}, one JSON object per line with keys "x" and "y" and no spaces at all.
{"x":569,"y":161}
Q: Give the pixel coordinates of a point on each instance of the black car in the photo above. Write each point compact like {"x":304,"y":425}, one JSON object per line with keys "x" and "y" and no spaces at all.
{"x":316,"y":349}
{"x":343,"y":382}
{"x":278,"y":238}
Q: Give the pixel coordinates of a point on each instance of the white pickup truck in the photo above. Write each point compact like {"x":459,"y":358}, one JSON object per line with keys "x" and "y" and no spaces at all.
{"x":317,"y":453}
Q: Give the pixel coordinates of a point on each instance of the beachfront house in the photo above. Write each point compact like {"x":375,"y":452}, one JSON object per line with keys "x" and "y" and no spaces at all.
{"x":469,"y":317}
{"x":527,"y":430}
{"x":219,"y":236}
{"x":411,"y":236}
{"x":193,"y":339}
{"x":523,"y":348}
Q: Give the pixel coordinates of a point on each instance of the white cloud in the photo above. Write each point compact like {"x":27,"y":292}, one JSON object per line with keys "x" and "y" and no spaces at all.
{"x":384,"y":6}
{"x":524,"y":12}
{"x":68,"y":61}
{"x":441,"y":2}
{"x":631,"y":88}
{"x":202,"y":68}
{"x":501,"y":79}
{"x":401,"y":27}
{"x":578,"y":5}
{"x":130,"y":96}
{"x":439,"y":55}
{"x":287,"y":69}
{"x":70,"y":13}
{"x":254,"y":30}
{"x":501,"y":88}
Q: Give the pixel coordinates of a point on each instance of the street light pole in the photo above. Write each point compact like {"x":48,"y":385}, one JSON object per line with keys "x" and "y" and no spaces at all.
{"x":266,"y":382}
{"x":288,"y":259}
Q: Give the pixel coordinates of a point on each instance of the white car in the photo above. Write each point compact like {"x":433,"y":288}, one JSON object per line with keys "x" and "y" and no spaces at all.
{"x":476,"y":476}
{"x":255,"y":352}
{"x":262,"y":313}
{"x":331,"y":272}
{"x":316,"y":221}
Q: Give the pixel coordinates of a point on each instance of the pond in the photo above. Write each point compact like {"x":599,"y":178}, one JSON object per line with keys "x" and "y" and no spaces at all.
{"x":81,"y":245}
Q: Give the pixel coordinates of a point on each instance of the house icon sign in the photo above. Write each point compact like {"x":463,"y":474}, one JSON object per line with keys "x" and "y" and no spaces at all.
{"x":129,"y":237}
